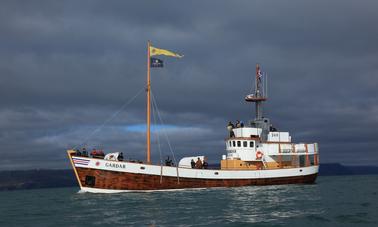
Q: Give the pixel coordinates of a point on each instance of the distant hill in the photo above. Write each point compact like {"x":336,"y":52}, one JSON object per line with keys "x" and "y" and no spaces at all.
{"x":48,"y":178}
{"x":330,"y":169}
{"x":28,"y":179}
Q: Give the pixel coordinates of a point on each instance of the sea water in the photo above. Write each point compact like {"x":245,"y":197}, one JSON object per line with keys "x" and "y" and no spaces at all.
{"x":332,"y":201}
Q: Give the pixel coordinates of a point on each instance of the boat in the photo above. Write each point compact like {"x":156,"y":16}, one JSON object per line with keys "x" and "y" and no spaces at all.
{"x":256,"y":154}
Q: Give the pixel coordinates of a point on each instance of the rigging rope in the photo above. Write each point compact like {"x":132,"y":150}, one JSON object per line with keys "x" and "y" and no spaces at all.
{"x":161,"y":120}
{"x":166,"y":135}
{"x":128,"y":102}
{"x":158,"y":143}
{"x":156,"y":133}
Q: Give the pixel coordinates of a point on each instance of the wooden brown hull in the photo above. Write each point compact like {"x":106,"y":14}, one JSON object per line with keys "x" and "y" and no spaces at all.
{"x":112,"y":180}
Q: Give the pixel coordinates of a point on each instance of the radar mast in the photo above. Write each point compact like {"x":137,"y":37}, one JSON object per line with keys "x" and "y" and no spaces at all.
{"x":258,"y":97}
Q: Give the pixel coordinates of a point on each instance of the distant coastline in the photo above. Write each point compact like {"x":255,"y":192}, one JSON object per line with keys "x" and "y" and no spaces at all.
{"x":49,"y":178}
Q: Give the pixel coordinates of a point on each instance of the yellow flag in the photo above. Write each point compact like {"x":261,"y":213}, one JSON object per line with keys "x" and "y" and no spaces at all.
{"x":157,"y":51}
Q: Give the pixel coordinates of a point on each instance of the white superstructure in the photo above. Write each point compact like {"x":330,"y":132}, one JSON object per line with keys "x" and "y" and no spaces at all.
{"x":247,"y":145}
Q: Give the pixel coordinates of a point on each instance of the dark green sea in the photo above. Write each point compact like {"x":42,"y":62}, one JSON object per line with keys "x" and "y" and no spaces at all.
{"x":332,"y":201}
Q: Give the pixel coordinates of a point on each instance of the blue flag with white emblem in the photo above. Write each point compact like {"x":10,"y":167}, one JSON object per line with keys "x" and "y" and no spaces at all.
{"x":156,"y":62}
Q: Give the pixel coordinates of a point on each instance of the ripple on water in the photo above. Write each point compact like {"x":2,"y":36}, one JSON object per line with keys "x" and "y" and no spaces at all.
{"x":333,"y":201}
{"x":358,"y":218}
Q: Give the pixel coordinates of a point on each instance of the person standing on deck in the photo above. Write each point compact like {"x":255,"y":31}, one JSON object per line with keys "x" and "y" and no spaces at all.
{"x":198,"y":164}
{"x":205,"y":165}
{"x":193,"y":164}
{"x":230,"y":128}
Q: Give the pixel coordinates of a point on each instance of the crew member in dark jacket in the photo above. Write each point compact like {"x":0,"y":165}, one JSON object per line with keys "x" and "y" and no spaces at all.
{"x":205,"y":164}
{"x":193,"y":164}
{"x":168,"y":161}
{"x":84,"y":152}
{"x":120,"y":157}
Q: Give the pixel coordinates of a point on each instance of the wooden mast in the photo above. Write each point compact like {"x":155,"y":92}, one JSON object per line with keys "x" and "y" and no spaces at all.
{"x":148,"y":89}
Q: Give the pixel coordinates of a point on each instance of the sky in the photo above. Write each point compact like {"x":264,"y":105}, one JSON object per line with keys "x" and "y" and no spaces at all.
{"x":74,"y":72}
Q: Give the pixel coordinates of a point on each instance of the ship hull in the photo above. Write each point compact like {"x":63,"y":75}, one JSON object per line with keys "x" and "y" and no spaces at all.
{"x":110,"y":181}
{"x":102,"y":176}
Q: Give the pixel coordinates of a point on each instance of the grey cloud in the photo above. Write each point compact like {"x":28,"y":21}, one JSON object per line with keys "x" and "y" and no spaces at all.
{"x":65,"y":67}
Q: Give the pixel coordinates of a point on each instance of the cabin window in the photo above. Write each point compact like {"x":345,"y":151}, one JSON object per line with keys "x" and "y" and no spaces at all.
{"x":233,"y":144}
{"x":229,"y":143}
{"x":312,"y":160}
{"x":245,"y":144}
{"x":90,"y":181}
{"x":239,"y":144}
{"x":302,"y":161}
{"x":251,"y":144}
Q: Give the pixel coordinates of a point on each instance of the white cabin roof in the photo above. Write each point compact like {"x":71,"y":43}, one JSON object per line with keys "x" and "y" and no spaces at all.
{"x":247,"y":132}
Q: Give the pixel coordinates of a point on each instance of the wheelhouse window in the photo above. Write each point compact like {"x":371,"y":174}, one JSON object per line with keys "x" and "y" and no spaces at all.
{"x":251,"y":144}
{"x":233,"y":144}
{"x":229,"y":143}
{"x":245,"y":144}
{"x":239,"y":144}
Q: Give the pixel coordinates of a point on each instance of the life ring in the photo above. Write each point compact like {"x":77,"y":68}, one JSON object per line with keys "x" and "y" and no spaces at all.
{"x":259,"y":155}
